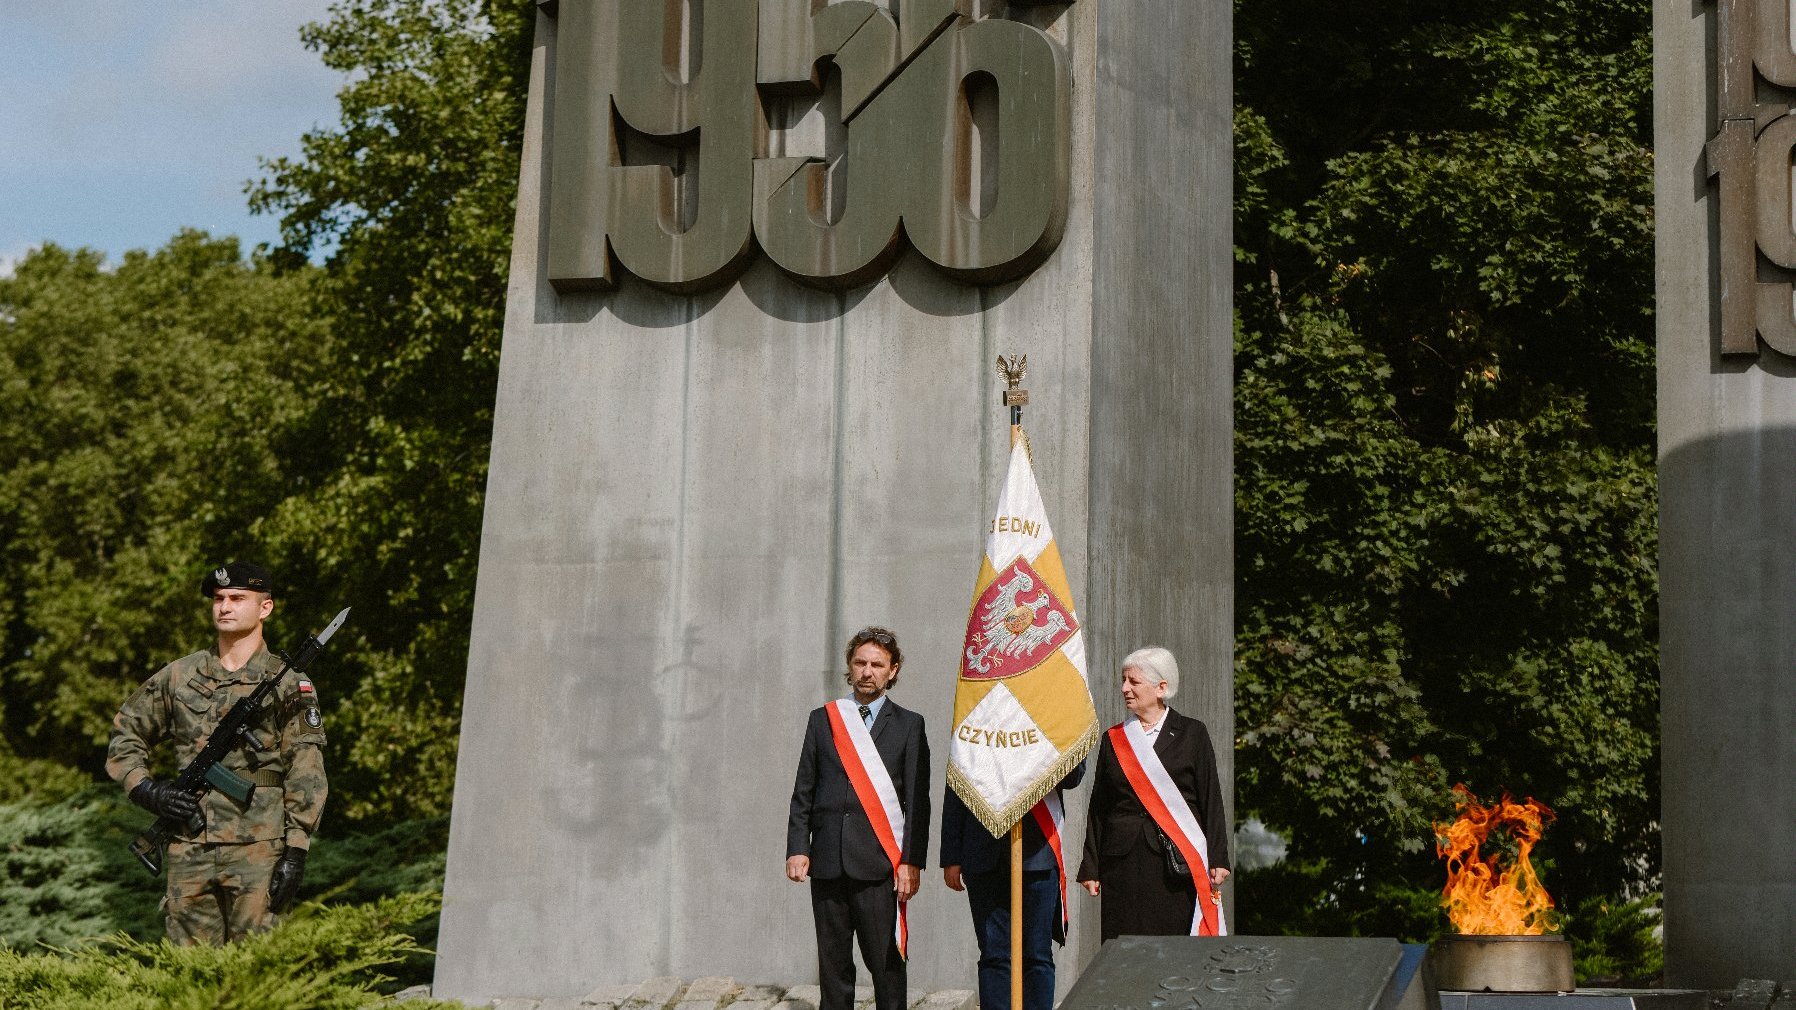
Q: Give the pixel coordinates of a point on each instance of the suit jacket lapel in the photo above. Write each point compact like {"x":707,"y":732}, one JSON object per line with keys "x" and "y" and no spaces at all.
{"x":883,"y":719}
{"x":1171,"y":733}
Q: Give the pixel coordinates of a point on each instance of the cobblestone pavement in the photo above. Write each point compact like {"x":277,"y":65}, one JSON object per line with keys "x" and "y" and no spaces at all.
{"x":710,"y":993}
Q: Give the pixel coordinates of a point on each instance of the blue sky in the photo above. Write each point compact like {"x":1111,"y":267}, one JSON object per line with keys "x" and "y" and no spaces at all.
{"x":126,"y":120}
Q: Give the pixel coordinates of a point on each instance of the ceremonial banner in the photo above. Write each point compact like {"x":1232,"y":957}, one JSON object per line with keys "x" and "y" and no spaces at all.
{"x":1023,"y":716}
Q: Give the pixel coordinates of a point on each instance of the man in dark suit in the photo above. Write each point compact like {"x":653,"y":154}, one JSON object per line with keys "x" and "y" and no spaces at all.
{"x":978,"y":863}
{"x":830,"y":840}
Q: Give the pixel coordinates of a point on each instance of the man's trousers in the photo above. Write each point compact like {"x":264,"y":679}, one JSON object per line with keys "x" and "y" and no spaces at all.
{"x":218,"y":893}
{"x":845,"y":908}
{"x":988,"y":894}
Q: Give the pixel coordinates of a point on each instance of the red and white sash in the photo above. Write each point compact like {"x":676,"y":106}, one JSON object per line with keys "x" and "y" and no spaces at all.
{"x":1166,"y":805}
{"x":873,"y":784}
{"x":1050,"y":817}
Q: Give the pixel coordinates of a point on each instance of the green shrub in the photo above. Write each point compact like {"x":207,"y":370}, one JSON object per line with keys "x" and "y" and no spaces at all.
{"x":407,"y":857}
{"x":1617,"y":942}
{"x":328,"y":958}
{"x":65,"y":873}
{"x":1291,"y":899}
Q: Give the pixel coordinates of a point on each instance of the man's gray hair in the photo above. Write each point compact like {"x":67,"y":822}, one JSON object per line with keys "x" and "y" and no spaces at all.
{"x":1158,"y":664}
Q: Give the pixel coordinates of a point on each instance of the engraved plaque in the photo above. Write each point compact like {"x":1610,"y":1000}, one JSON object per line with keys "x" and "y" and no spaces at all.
{"x":1239,"y":973}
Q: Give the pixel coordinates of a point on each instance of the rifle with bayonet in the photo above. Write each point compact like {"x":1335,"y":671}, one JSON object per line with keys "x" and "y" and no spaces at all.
{"x":205,"y":772}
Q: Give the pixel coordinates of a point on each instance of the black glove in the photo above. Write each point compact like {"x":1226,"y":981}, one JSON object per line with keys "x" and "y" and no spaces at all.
{"x":283,"y":886}
{"x":164,"y":800}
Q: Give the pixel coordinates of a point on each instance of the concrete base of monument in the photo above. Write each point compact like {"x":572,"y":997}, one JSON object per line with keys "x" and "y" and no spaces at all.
{"x":1237,"y":972}
{"x":709,"y":993}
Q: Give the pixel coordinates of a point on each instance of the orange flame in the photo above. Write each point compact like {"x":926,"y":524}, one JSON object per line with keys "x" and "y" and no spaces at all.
{"x":1481,"y":897}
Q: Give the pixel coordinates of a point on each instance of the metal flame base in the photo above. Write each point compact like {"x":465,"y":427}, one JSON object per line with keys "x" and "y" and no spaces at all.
{"x":1536,"y":964}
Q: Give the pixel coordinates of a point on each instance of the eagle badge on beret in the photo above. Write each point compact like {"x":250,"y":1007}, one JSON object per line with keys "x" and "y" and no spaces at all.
{"x":221,"y":575}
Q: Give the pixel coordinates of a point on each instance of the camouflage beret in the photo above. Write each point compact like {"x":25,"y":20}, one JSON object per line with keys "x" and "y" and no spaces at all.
{"x":237,"y":575}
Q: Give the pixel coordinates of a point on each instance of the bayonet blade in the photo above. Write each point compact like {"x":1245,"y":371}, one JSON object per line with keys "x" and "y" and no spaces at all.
{"x":331,"y":628}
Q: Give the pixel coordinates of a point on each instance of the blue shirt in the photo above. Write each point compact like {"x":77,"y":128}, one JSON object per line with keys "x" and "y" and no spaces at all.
{"x":872,"y":708}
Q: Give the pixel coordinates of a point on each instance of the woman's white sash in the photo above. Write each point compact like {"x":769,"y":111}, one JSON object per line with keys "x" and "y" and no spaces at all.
{"x":1160,"y":796}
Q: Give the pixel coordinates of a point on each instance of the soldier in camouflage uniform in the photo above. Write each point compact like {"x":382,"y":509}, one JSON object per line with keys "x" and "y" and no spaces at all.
{"x":245,"y":866}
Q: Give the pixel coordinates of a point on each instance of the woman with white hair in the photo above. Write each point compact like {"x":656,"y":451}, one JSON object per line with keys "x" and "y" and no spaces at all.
{"x":1156,"y":839}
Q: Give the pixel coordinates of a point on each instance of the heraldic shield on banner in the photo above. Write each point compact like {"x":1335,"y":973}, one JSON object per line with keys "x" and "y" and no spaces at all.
{"x":1023,"y":715}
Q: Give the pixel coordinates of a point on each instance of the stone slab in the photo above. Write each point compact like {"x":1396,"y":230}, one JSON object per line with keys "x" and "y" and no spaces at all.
{"x":655,"y":992}
{"x":1582,"y":999}
{"x":947,"y":999}
{"x":1752,"y":994}
{"x":801,"y":997}
{"x":608,"y":995}
{"x":1206,"y":973}
{"x":708,"y":989}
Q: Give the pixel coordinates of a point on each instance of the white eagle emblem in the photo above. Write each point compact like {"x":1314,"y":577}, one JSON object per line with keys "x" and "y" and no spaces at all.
{"x":1004,"y":635}
{"x":221,"y":576}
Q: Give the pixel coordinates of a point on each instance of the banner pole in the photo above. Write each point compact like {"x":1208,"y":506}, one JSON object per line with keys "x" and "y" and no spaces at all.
{"x":1015,"y":398}
{"x":1016,"y":916}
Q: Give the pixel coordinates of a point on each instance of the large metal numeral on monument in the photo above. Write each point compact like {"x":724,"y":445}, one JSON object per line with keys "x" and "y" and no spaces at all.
{"x":683,"y":226}
{"x":663,"y":174}
{"x":1750,"y":157}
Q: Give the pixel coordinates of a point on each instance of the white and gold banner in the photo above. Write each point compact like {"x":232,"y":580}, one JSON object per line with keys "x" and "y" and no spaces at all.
{"x":1023,"y":716}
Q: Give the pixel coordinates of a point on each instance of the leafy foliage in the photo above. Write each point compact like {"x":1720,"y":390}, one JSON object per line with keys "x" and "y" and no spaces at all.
{"x":412,"y":195}
{"x":1617,"y":943}
{"x":141,"y":435}
{"x":1290,"y":898}
{"x":325,"y":958}
{"x":1444,"y":487}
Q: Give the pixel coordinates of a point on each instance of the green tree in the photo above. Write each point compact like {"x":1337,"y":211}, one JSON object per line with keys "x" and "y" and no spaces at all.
{"x":1444,"y":410}
{"x":143,"y":437}
{"x":411,"y":196}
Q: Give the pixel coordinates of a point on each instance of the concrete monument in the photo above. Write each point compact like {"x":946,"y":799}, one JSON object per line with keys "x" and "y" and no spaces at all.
{"x":766,"y":255}
{"x":1724,"y":87}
